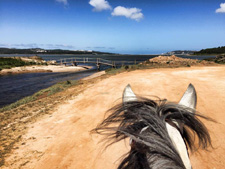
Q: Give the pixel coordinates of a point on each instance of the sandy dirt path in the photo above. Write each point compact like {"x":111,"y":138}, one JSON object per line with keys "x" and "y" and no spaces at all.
{"x":62,"y":139}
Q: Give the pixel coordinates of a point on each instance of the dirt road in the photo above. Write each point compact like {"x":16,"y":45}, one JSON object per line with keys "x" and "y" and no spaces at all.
{"x":62,"y":139}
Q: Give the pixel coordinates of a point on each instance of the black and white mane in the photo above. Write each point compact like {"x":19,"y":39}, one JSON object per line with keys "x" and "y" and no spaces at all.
{"x":158,"y":131}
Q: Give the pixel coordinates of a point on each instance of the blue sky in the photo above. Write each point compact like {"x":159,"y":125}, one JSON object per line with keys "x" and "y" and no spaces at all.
{"x":120,"y":26}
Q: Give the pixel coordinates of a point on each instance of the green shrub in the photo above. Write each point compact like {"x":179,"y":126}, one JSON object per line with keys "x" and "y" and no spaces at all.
{"x":188,"y":65}
{"x":6,"y":67}
{"x":126,"y":68}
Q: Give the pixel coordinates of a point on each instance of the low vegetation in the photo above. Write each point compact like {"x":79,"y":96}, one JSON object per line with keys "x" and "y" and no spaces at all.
{"x":160,"y":62}
{"x":218,"y":59}
{"x":125,"y":68}
{"x":128,"y":68}
{"x":8,"y":63}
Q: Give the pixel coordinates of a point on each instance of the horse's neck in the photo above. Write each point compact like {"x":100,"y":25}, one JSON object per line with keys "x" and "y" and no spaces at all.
{"x":179,"y":144}
{"x":157,"y":161}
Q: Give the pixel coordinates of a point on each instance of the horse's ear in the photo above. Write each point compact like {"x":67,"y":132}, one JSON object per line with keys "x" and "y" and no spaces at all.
{"x":189,"y":98}
{"x":128,"y":94}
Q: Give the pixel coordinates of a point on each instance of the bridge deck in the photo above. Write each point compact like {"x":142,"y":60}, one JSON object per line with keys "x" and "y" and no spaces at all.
{"x":97,"y":61}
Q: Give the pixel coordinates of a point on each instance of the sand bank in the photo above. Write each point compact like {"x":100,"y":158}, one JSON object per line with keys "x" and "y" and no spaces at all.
{"x":62,"y":138}
{"x":41,"y":68}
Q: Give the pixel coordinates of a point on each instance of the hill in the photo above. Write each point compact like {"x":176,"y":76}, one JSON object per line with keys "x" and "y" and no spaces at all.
{"x":218,"y":50}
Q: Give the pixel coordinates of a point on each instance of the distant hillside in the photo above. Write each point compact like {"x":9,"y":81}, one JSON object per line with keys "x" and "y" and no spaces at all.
{"x":181,"y":52}
{"x":43,"y":51}
{"x":219,"y":50}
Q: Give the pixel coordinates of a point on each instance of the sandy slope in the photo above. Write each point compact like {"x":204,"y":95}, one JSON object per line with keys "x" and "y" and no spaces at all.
{"x":62,"y":140}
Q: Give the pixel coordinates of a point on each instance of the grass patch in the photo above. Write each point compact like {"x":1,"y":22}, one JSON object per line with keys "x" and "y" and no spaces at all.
{"x":41,"y":94}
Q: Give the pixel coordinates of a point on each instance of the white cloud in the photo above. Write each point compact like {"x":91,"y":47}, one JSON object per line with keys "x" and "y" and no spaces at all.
{"x":58,"y":46}
{"x":221,"y":9}
{"x":132,"y":13}
{"x":65,"y":2}
{"x":21,"y":45}
{"x":100,"y":5}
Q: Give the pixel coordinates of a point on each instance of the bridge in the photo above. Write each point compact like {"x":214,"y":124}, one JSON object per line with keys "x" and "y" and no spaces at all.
{"x":98,"y":61}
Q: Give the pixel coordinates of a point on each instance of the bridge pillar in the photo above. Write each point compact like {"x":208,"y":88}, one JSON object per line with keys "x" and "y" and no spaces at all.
{"x":98,"y":66}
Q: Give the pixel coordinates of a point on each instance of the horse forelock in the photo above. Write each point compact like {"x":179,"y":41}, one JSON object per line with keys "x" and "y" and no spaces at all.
{"x":153,"y":143}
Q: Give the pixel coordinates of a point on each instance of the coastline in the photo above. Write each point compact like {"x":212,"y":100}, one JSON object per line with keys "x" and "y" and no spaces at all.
{"x":43,"y":68}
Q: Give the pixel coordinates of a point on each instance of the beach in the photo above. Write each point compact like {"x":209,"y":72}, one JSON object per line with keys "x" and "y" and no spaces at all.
{"x":42,"y":68}
{"x":57,"y":134}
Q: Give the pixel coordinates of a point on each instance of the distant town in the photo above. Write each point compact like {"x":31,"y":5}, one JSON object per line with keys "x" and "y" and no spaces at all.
{"x":180,"y":52}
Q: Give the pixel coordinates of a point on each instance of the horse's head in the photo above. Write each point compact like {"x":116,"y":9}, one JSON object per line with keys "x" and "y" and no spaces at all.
{"x":174,"y":127}
{"x":160,"y":132}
